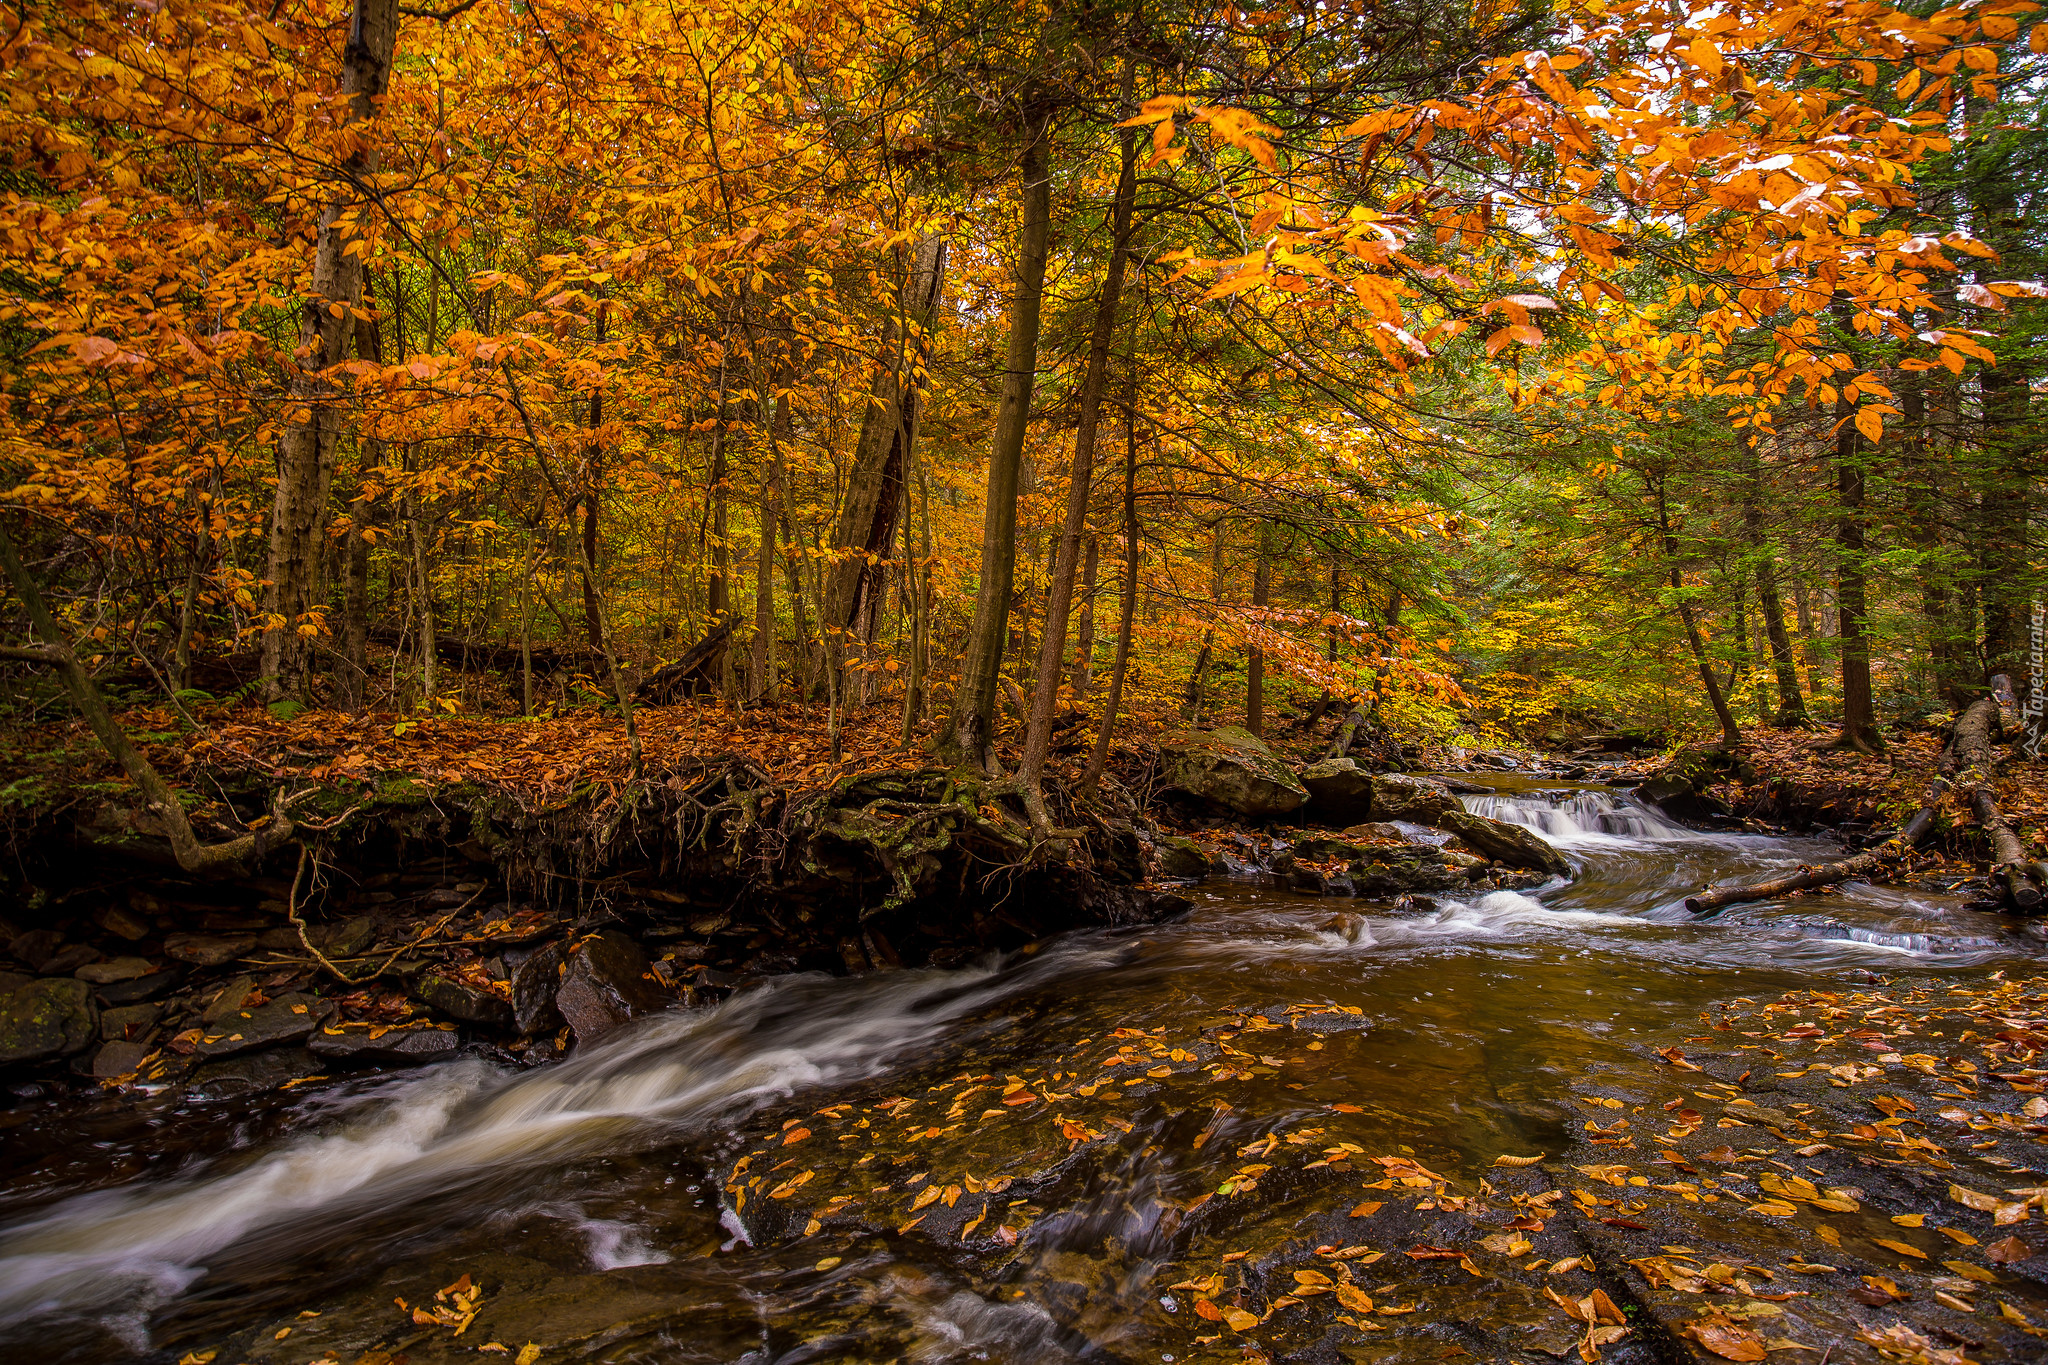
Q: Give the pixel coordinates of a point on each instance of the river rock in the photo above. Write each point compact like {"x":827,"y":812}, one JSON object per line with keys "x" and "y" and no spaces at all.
{"x":122,"y":923}
{"x":129,"y":1021}
{"x":1338,"y":789}
{"x":1233,"y":769}
{"x":69,"y":959}
{"x":146,"y":987}
{"x":1677,"y":797}
{"x":118,"y":1058}
{"x":287,"y":1019}
{"x":120,"y":969}
{"x":252,"y":1074}
{"x":1506,"y":843}
{"x":44,"y":1017}
{"x":208,"y":950}
{"x":534,"y":983}
{"x":607,"y":981}
{"x":1179,"y":857}
{"x":1397,"y":796}
{"x":369,"y":1045}
{"x":1390,"y":872}
{"x":35,"y":947}
{"x":461,"y":1000}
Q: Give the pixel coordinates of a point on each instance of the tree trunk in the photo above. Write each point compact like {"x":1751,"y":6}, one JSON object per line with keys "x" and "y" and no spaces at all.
{"x":1084,"y":630}
{"x":1255,"y":658}
{"x":1791,"y":704}
{"x":1080,"y":480}
{"x":1859,"y":713}
{"x":971,"y":726}
{"x":1098,"y":759}
{"x":766,"y":688}
{"x":875,"y":484}
{"x":306,"y":448}
{"x":1731,"y":733}
{"x":593,"y":481}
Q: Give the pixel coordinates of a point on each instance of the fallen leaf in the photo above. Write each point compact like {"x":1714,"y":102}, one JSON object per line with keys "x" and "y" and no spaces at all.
{"x":1903,"y":1248}
{"x":1726,"y":1338}
{"x":2006,"y":1250}
{"x":1237,"y":1320}
{"x":1909,"y":1220}
{"x":1367,"y":1209}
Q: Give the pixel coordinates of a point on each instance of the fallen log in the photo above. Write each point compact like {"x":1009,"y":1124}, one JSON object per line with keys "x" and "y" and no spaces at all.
{"x":1966,"y":766}
{"x":697,"y":671}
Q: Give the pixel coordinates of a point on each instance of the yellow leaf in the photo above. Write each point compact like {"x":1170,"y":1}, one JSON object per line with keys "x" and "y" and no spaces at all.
{"x":1706,"y":56}
{"x":1870,"y":422}
{"x":1903,"y":1248}
{"x":1237,"y":1320}
{"x":527,"y":1354}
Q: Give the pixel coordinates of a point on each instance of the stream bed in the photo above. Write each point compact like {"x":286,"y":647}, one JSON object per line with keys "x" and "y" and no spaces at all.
{"x":1051,"y":1156}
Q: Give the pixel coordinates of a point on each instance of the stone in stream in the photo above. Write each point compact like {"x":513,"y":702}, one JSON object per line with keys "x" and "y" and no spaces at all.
{"x":1385,"y":873}
{"x":208,"y":950}
{"x":253,"y":1073}
{"x":1338,"y":790}
{"x":287,"y":1019}
{"x":43,"y":1017}
{"x":129,"y":1021}
{"x":1233,"y":769}
{"x":534,"y":983}
{"x":462,"y":1000}
{"x":1397,"y":796}
{"x":370,"y":1045}
{"x":118,"y":1058}
{"x":1179,"y":857}
{"x":1506,"y":843}
{"x":120,"y":969}
{"x":607,"y":982}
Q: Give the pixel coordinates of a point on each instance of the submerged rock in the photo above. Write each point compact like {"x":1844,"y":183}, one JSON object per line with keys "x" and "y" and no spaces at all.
{"x":44,"y":1017}
{"x":248,"y":1075}
{"x":1232,"y":769}
{"x":607,"y":982}
{"x":1503,"y":842}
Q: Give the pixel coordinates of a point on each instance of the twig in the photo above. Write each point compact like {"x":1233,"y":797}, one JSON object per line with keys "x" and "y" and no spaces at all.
{"x":292,"y":913}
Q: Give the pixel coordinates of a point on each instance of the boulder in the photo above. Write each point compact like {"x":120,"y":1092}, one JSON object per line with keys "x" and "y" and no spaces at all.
{"x":1179,"y":857}
{"x":1377,"y":829}
{"x":45,"y":1017}
{"x":1386,"y":873}
{"x":118,"y":1058}
{"x":607,"y":982}
{"x":1676,"y":797}
{"x":1232,"y":769}
{"x":461,"y":1000}
{"x":1338,"y":790}
{"x":120,"y":969}
{"x":288,"y":1019}
{"x":1505,"y":843}
{"x":534,"y":983}
{"x":1397,"y":796}
{"x":129,"y":1022}
{"x":373,"y":1045}
{"x":208,"y":950}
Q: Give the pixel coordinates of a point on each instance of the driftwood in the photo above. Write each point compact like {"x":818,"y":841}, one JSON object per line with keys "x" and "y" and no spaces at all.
{"x":697,"y":671}
{"x":1966,"y":766}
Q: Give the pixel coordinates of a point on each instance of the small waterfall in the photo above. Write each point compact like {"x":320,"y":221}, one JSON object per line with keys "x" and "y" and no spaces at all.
{"x":1577,"y":816}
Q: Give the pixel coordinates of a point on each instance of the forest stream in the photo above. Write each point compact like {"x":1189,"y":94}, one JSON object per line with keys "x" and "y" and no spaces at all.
{"x":748,"y":1181}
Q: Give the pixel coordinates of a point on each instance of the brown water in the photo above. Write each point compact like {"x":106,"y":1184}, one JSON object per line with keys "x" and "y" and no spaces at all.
{"x":588,"y":1194}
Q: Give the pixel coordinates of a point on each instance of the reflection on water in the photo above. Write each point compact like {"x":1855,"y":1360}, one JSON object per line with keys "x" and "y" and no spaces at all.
{"x":1483,"y":1010}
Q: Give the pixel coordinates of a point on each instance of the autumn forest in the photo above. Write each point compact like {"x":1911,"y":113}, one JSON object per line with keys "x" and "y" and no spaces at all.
{"x":1272,"y":600}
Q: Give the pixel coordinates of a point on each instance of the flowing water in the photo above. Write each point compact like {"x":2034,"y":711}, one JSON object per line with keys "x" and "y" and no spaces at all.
{"x":591,"y":1189}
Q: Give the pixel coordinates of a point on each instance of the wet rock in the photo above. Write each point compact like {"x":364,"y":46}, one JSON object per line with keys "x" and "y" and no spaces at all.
{"x":1414,"y":905}
{"x":1232,"y":769}
{"x":1179,"y":857}
{"x":35,"y":947}
{"x":1503,"y":842}
{"x":368,"y":1045}
{"x":1376,"y":829}
{"x":461,"y":1000}
{"x":44,"y":1017}
{"x":607,"y":981}
{"x":228,"y":998}
{"x":69,"y":959}
{"x":1397,"y":796}
{"x":534,"y":983}
{"x":208,"y":950}
{"x":118,"y":1058}
{"x":129,"y":1021}
{"x":287,"y":1019}
{"x":253,"y":1074}
{"x":146,"y":987}
{"x":1413,"y":868}
{"x":1677,"y":797}
{"x":1159,"y":905}
{"x":122,"y":923}
{"x":120,"y":969}
{"x":1338,"y":789}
